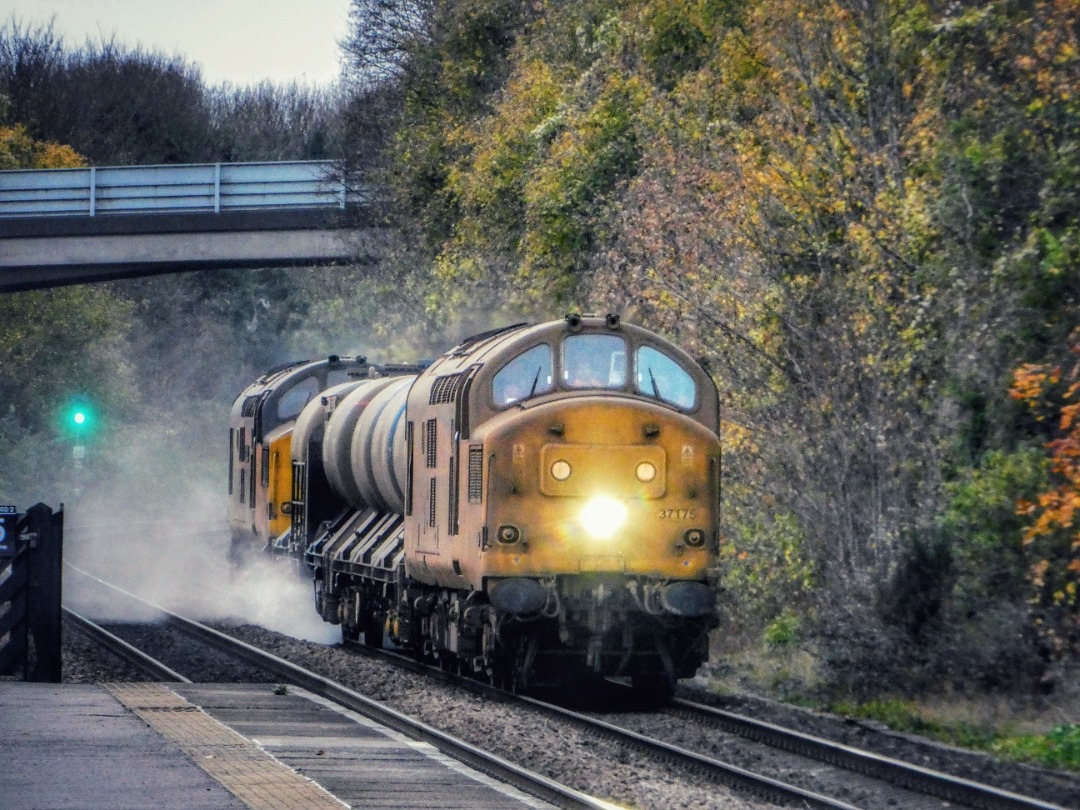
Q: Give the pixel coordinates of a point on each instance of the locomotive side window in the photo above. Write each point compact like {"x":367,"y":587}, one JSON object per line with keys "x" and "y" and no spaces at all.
{"x":525,"y":376}
{"x":657,"y":375}
{"x":594,"y":361}
{"x":294,"y":400}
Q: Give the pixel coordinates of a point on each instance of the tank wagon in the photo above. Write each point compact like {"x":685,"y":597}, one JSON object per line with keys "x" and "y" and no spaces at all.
{"x":541,"y":498}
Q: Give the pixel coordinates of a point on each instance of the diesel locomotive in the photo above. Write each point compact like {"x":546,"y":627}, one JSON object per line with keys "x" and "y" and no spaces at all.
{"x":540,"y":500}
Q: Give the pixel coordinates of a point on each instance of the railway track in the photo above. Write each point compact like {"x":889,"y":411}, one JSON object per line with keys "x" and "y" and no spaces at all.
{"x":839,"y":777}
{"x":533,"y":783}
{"x":895,"y":772}
{"x":872,"y":778}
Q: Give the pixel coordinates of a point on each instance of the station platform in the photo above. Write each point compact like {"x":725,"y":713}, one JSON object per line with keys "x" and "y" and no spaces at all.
{"x":218,"y":747}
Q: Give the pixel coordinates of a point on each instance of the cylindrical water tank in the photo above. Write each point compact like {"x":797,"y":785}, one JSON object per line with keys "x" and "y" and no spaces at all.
{"x":379,"y":448}
{"x":311,"y":423}
{"x":338,"y":439}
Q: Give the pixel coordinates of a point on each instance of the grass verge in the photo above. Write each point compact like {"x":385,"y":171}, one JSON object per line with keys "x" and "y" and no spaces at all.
{"x":1058,"y":748}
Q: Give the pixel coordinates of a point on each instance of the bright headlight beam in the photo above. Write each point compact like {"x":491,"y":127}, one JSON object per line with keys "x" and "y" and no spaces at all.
{"x":602,"y":516}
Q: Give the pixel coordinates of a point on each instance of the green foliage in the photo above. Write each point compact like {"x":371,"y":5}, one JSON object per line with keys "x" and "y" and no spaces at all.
{"x":1058,"y":748}
{"x":55,"y":344}
{"x":783,"y":631}
{"x":677,"y":35}
{"x":765,"y":568}
{"x":591,"y":152}
{"x":981,"y":522}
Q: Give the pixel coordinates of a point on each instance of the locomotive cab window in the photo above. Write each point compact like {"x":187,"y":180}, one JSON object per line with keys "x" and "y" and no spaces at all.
{"x":294,"y":400}
{"x":658,"y":376}
{"x":527,"y":375}
{"x":594,"y":361}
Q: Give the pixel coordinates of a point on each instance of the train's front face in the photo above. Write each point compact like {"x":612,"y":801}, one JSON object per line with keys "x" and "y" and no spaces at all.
{"x":603,"y":466}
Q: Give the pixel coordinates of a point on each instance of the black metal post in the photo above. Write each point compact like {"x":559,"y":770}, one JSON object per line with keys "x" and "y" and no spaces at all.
{"x":46,"y":530}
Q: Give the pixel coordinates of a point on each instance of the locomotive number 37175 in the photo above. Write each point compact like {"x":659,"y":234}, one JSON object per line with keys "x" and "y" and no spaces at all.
{"x":676,"y":514}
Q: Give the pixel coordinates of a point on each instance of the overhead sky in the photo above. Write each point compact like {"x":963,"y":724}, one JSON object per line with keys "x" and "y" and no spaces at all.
{"x":239,"y":41}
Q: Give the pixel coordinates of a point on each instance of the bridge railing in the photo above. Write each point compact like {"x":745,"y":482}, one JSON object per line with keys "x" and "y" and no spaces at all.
{"x":192,"y":188}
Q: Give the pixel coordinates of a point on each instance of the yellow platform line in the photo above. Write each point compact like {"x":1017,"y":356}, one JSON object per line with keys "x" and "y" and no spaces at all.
{"x":243,"y":768}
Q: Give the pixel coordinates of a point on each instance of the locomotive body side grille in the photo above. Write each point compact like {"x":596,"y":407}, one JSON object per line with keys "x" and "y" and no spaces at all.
{"x":299,"y":511}
{"x":430,"y":448}
{"x":476,"y":473}
{"x":409,"y":469}
{"x":445,"y":388}
{"x":452,"y":498}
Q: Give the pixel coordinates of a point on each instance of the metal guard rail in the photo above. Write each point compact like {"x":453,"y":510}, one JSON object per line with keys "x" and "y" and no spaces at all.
{"x":189,"y":188}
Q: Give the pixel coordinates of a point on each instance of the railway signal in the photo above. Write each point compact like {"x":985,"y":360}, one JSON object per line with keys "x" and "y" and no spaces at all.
{"x":79,"y":423}
{"x":79,"y":418}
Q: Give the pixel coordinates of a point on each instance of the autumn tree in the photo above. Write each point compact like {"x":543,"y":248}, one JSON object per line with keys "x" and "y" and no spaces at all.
{"x":1051,"y":538}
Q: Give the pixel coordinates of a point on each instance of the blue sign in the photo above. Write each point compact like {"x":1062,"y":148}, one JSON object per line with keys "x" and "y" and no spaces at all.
{"x":9,"y":546}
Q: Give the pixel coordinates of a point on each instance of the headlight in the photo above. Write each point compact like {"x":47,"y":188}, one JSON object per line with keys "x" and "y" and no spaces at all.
{"x":646,"y":472}
{"x":560,"y":470}
{"x":603,"y":516}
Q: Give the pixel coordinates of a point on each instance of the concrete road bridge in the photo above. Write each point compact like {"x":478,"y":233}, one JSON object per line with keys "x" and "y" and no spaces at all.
{"x":71,"y":226}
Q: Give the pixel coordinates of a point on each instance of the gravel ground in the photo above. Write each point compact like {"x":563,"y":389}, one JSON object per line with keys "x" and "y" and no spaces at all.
{"x":589,"y":763}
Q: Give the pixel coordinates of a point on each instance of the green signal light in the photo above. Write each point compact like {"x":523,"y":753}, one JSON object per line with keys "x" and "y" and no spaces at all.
{"x":79,"y":418}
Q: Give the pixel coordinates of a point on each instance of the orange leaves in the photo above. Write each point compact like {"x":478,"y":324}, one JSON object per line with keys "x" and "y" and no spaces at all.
{"x":1053,"y":536}
{"x":1030,"y":382}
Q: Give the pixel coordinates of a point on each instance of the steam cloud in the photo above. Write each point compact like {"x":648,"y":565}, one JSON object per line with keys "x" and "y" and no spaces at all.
{"x":167,"y":541}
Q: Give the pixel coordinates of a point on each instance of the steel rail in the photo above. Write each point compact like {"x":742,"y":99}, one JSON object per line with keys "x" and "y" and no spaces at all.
{"x":533,"y":783}
{"x":723,"y":772}
{"x":115,"y":644}
{"x":902,"y":774}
